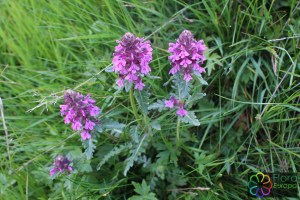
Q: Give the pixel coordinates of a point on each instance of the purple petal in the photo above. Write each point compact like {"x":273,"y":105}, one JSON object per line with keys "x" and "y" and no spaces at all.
{"x":169,"y":103}
{"x":70,"y":168}
{"x":53,"y":171}
{"x":182,"y":112}
{"x":85,"y":135}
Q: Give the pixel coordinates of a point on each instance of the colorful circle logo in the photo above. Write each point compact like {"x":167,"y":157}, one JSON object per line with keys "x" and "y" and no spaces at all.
{"x":260,"y":185}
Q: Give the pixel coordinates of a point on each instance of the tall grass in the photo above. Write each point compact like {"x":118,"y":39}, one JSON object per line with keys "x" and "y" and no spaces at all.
{"x":249,"y":118}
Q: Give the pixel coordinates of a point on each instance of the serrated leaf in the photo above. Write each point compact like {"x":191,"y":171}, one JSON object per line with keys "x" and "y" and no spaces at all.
{"x":114,"y":152}
{"x":143,"y":191}
{"x":113,"y":126}
{"x":135,"y":152}
{"x":89,"y":147}
{"x":142,"y":98}
{"x":134,"y":134}
{"x":155,"y":125}
{"x":190,"y":118}
{"x":127,"y":86}
{"x":183,"y":88}
{"x":196,"y":96}
{"x":68,"y":184}
{"x":109,"y":69}
{"x":166,"y":83}
{"x":84,"y":167}
{"x":159,"y":105}
{"x":176,"y":178}
{"x":213,"y":60}
{"x":153,"y":77}
{"x":99,"y":128}
{"x":200,"y":78}
{"x":108,"y":101}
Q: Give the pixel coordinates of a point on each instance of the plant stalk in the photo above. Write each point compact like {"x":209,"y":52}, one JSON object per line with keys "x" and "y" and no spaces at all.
{"x":178,"y":131}
{"x":132,"y":102}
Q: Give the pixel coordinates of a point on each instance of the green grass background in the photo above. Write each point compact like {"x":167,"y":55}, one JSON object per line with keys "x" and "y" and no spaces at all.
{"x":249,"y":119}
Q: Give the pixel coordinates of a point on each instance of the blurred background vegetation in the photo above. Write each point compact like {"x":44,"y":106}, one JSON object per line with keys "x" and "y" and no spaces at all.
{"x":249,"y":118}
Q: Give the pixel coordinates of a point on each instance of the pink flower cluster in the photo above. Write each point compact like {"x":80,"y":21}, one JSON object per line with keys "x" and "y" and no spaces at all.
{"x":61,"y":164}
{"x":81,"y":112}
{"x":131,"y":60}
{"x":187,"y":55}
{"x":173,"y":102}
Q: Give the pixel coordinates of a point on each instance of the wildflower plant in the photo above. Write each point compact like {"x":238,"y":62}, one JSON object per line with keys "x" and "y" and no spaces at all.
{"x":61,"y":164}
{"x":81,"y":112}
{"x":173,"y":102}
{"x":83,"y":115}
{"x":126,"y":135}
{"x":131,"y":61}
{"x":187,"y":57}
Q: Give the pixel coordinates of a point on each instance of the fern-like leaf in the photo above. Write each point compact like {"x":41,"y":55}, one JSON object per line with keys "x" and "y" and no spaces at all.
{"x":142,"y":98}
{"x":90,"y":147}
{"x":190,"y":118}
{"x":136,"y":151}
{"x":114,"y":152}
{"x":159,"y":105}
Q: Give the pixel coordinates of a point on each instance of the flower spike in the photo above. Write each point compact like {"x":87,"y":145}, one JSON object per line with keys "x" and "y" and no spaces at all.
{"x":131,"y":60}
{"x":187,"y":55}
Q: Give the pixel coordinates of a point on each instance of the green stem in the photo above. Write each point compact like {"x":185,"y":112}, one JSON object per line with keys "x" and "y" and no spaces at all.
{"x":178,"y":130}
{"x":131,"y":96}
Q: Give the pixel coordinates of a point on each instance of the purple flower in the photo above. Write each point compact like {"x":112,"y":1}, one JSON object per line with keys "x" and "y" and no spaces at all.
{"x":76,"y":125}
{"x":131,"y":60}
{"x":61,"y":164}
{"x":182,"y":112}
{"x":173,"y":102}
{"x":85,"y":135}
{"x":187,"y":55}
{"x":89,"y":125}
{"x":80,"y":111}
{"x":169,"y":104}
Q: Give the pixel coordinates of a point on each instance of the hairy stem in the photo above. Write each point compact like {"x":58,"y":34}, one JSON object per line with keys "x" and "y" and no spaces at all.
{"x":131,"y":96}
{"x":178,"y":130}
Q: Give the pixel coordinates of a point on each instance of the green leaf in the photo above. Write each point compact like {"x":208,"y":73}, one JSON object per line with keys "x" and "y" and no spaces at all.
{"x":143,"y":191}
{"x":114,"y":152}
{"x":160,"y":171}
{"x":142,"y":98}
{"x":84,"y":166}
{"x":153,"y":77}
{"x":89,"y":147}
{"x":136,"y":152}
{"x":127,"y":85}
{"x":115,"y":127}
{"x":99,"y":128}
{"x":183,"y":88}
{"x":134,"y":134}
{"x":177,"y":178}
{"x":68,"y":184}
{"x":190,"y":118}
{"x":159,"y":105}
{"x":200,"y":78}
{"x":195,"y":97}
{"x":212,"y":60}
{"x":109,"y":69}
{"x":155,"y":125}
